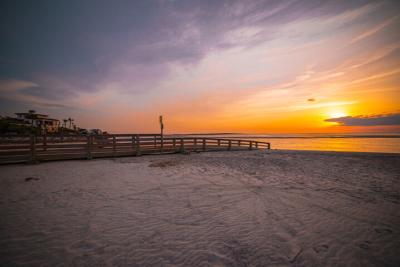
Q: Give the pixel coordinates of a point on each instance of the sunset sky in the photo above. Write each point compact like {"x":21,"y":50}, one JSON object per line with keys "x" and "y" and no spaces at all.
{"x":207,"y":66}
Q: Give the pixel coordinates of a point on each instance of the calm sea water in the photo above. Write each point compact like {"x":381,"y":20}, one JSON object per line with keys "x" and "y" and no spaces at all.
{"x":387,"y":143}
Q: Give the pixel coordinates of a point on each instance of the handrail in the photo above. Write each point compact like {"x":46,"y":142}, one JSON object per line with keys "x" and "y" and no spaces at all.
{"x":35,"y":148}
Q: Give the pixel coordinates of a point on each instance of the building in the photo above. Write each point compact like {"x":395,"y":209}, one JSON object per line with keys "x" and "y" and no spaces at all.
{"x":41,"y":121}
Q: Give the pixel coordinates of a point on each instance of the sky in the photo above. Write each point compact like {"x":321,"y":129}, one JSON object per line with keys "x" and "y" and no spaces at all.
{"x":206,"y":66}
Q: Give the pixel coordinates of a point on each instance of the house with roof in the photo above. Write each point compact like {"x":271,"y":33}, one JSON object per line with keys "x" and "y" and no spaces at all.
{"x":41,"y":121}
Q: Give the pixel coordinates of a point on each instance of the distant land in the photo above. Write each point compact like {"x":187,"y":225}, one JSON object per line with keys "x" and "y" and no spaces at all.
{"x":309,"y":135}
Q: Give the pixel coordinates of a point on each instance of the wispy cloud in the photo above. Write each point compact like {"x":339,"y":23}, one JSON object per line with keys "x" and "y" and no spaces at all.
{"x":322,"y":105}
{"x":374,"y":29}
{"x":15,"y":90}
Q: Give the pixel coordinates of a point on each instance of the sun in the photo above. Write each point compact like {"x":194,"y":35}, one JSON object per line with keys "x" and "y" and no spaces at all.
{"x":337,"y":113}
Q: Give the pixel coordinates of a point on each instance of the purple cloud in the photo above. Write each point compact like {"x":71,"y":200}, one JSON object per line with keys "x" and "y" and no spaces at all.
{"x":373,"y":120}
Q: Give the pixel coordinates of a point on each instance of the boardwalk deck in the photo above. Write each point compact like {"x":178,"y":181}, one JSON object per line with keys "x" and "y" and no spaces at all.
{"x":14,"y":149}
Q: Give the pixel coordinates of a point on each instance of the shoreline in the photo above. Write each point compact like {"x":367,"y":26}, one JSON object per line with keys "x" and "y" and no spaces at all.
{"x":355,"y":153}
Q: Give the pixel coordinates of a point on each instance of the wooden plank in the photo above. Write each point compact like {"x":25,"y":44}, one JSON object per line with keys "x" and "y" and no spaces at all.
{"x":15,"y":152}
{"x":12,"y":147}
{"x":57,"y":146}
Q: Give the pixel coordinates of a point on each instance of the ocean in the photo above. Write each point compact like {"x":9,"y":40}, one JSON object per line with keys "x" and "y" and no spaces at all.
{"x":360,"y":142}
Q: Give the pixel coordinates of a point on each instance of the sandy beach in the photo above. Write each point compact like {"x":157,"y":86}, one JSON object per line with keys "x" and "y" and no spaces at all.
{"x":247,"y":208}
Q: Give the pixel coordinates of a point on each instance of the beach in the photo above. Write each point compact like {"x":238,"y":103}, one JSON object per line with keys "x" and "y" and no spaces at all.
{"x":242,"y":208}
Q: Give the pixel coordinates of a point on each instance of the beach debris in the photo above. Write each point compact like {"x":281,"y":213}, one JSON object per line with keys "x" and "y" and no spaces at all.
{"x":321,"y":248}
{"x":164,"y":163}
{"x":27,"y":179}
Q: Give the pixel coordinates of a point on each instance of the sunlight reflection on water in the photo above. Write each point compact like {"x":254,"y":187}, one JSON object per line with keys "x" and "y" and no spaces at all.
{"x":387,"y":145}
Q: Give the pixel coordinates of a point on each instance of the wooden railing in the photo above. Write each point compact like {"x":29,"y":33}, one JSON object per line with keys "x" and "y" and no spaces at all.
{"x":56,"y":147}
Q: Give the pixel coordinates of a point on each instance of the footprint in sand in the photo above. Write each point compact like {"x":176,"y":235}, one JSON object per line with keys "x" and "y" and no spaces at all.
{"x":383,"y":230}
{"x":364,"y":245}
{"x":27,"y":179}
{"x":321,"y":248}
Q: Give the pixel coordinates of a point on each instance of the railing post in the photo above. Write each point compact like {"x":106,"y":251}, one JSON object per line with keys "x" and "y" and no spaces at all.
{"x":45,"y":142}
{"x":162,"y":143}
{"x":138,"y":152}
{"x":182,"y":146}
{"x":33,"y":149}
{"x":229,"y":145}
{"x":256,"y":144}
{"x":239,"y":143}
{"x":114,"y":147}
{"x":204,"y":144}
{"x":133,"y":142}
{"x":155,"y":141}
{"x":89,"y":144}
{"x":269,"y":145}
{"x":250,"y":145}
{"x":174,"y":143}
{"x":219,"y":142}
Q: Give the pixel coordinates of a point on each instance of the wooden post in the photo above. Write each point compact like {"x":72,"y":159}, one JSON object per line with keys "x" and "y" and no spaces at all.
{"x":250,"y":145}
{"x":89,"y":145}
{"x":269,"y":145}
{"x":162,"y":143}
{"x":239,"y":143}
{"x":256,"y":145}
{"x":33,"y":148}
{"x":45,"y":142}
{"x":174,"y":143}
{"x":229,"y":145}
{"x":162,"y":132}
{"x":155,"y":141}
{"x":219,"y":142}
{"x":133,"y":142}
{"x":204,"y":144}
{"x":138,"y":152}
{"x":114,"y":146}
{"x":195,"y":144}
{"x":182,"y":146}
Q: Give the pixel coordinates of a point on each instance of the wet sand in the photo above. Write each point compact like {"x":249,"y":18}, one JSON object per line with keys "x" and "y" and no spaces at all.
{"x":248,"y":208}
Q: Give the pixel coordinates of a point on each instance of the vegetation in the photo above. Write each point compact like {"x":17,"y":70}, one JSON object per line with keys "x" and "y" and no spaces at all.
{"x":7,"y":126}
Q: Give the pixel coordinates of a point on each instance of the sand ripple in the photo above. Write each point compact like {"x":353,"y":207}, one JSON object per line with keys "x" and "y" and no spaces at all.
{"x":211,"y":209}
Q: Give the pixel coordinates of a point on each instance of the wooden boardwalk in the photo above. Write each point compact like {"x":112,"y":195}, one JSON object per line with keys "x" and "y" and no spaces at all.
{"x":14,"y":149}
